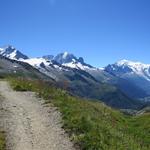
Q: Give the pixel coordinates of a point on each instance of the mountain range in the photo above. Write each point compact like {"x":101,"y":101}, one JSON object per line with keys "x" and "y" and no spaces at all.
{"x":124,"y":84}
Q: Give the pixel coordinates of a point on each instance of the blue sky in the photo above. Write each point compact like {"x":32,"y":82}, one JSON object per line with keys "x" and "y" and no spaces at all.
{"x":101,"y":31}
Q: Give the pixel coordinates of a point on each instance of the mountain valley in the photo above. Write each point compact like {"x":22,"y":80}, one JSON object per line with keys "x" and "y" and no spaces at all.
{"x":112,"y":84}
{"x":81,"y":106}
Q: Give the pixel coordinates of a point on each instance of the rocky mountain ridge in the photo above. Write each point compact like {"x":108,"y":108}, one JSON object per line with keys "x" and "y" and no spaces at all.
{"x":84,"y":80}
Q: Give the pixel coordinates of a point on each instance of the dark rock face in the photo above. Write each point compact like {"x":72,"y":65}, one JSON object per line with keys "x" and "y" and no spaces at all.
{"x":118,"y":70}
{"x":20,"y":55}
{"x":81,"y":60}
{"x":48,"y":57}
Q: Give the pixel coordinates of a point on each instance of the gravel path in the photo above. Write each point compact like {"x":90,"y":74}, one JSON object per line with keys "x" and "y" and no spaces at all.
{"x":30,"y":125}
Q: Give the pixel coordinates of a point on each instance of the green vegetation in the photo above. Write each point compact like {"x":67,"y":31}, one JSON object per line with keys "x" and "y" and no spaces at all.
{"x":2,"y":141}
{"x":140,"y":128}
{"x":93,"y":125}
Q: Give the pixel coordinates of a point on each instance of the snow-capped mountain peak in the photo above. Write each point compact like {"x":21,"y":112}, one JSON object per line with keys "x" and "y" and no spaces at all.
{"x":12,"y":53}
{"x":69,"y":60}
{"x":126,"y":67}
{"x":124,"y":62}
{"x":132,"y":64}
{"x":135,"y":66}
{"x":7,"y":50}
{"x":64,"y":58}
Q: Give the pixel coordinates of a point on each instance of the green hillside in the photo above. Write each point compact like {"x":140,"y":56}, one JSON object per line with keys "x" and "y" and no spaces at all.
{"x":93,"y":125}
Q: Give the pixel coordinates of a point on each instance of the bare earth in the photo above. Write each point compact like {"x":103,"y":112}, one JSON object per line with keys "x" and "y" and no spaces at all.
{"x":30,"y":125}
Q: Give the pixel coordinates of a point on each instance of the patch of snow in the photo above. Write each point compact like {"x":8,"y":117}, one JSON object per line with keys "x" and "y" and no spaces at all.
{"x":1,"y":50}
{"x":12,"y":55}
{"x":57,"y":67}
{"x":101,"y":68}
{"x":77,"y":65}
{"x":36,"y":62}
{"x":15,"y":66}
{"x":65,"y":55}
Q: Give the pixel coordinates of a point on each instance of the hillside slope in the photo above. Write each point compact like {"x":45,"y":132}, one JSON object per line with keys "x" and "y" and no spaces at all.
{"x":9,"y":67}
{"x":93,"y":125}
{"x":27,"y":123}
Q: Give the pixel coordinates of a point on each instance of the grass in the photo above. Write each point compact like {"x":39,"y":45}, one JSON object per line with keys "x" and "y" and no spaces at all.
{"x":2,"y":141}
{"x":2,"y":135}
{"x":92,"y":125}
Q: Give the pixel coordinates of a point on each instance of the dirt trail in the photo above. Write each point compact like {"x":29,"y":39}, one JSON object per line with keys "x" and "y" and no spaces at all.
{"x":29,"y":124}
